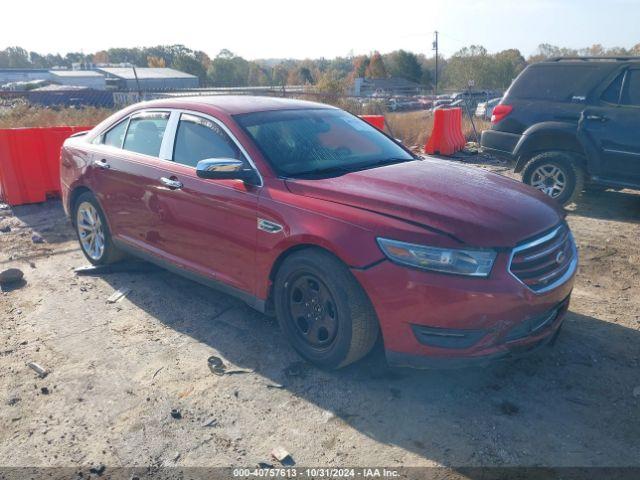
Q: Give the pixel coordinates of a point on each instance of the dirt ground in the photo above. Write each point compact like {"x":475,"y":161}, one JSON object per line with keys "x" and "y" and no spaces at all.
{"x":117,"y":370}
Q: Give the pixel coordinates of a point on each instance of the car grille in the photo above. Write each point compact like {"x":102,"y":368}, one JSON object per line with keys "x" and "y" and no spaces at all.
{"x":546,"y":261}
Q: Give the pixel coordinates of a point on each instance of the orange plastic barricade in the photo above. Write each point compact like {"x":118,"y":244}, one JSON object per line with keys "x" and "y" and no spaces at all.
{"x":30,"y":162}
{"x":375,"y":120}
{"x":446,"y":137}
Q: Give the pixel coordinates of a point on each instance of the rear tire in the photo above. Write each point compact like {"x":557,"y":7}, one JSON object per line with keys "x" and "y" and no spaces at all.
{"x":93,"y":232}
{"x":556,"y":174}
{"x":322,"y":309}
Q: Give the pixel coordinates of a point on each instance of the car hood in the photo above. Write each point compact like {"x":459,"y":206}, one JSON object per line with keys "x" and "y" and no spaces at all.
{"x":477,"y":207}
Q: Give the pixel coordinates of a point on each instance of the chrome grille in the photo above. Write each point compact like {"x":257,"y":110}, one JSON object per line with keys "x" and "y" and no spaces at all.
{"x":546,"y":261}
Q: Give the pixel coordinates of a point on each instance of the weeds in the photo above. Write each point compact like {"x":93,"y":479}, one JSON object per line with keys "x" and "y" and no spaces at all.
{"x":24,"y":115}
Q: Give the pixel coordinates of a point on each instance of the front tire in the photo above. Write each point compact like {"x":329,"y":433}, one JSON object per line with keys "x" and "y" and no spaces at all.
{"x":322,"y":309}
{"x":93,"y":232}
{"x":555,"y":174}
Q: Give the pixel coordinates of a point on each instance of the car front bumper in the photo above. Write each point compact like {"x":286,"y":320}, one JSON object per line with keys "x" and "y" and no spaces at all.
{"x":431,"y":320}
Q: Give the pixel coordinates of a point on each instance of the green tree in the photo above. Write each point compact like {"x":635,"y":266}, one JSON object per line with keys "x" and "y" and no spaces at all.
{"x":258,"y":76}
{"x":228,"y":70}
{"x":404,"y":64}
{"x":14,"y":57}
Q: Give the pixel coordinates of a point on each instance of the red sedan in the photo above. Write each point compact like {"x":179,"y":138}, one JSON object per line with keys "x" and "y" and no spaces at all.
{"x":309,"y":213}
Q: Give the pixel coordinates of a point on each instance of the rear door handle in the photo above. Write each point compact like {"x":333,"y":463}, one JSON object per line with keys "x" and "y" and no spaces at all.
{"x":171,"y":183}
{"x":102,"y":164}
{"x":597,"y":118}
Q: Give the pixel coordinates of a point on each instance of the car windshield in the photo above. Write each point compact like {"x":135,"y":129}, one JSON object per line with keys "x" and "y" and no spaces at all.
{"x":319,"y":141}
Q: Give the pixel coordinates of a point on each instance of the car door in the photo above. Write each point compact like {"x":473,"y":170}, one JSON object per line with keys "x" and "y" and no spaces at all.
{"x":122,"y":163}
{"x":207,"y":226}
{"x":612,"y":126}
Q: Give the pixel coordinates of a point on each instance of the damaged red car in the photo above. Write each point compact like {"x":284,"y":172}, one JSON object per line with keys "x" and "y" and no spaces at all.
{"x":308,"y":213}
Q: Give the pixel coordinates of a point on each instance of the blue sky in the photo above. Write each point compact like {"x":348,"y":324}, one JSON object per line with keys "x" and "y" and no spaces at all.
{"x":299,"y":29}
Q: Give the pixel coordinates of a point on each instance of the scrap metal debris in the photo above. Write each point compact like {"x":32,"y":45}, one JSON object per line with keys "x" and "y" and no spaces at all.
{"x":41,"y":371}
{"x":217,"y":367}
{"x":282,"y":456}
{"x":118,"y":295}
{"x":211,"y":422}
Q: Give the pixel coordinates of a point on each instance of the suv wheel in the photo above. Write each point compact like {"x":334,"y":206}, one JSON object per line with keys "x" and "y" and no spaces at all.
{"x":556,"y":175}
{"x":322,"y":309}
{"x":93,"y":232}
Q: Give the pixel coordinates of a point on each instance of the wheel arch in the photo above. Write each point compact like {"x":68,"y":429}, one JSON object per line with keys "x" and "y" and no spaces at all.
{"x":286,"y":253}
{"x":548,"y":137}
{"x":73,"y":197}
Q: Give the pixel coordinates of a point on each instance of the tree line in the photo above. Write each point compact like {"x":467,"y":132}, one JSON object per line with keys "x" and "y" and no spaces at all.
{"x":473,"y":63}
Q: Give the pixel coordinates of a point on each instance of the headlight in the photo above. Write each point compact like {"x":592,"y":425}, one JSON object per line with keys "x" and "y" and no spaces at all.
{"x":475,"y":263}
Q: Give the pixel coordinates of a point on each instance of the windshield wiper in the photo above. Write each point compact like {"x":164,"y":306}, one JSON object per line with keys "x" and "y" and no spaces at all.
{"x":341,"y":169}
{"x":323,"y":171}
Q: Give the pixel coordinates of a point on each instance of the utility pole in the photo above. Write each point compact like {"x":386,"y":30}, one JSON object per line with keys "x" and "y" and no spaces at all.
{"x":435,"y":83}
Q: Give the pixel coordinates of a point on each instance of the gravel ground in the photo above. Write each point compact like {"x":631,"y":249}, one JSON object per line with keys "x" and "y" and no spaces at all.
{"x":117,"y":370}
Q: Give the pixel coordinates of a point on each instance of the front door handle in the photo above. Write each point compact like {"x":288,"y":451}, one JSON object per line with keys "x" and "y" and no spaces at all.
{"x":597,"y":118}
{"x":171,"y":183}
{"x":102,"y":164}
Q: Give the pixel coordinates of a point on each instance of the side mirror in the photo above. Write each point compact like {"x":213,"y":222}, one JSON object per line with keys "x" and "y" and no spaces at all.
{"x":225,"y":168}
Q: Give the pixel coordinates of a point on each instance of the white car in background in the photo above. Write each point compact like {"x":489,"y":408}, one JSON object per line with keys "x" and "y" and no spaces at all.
{"x":485,"y":109}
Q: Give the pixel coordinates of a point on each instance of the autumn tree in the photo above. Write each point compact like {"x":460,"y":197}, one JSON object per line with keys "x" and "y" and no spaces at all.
{"x":376,"y":67}
{"x":156,"y":62}
{"x":101,"y":57}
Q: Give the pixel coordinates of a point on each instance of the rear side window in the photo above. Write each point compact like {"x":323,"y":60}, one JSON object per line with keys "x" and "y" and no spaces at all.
{"x":556,"y":82}
{"x":145,"y":133}
{"x":199,"y":139}
{"x":612,"y":93}
{"x":631,"y":91}
{"x":115,"y":136}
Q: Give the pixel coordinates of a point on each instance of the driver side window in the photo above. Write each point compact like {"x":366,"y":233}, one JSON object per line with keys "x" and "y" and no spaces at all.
{"x":198,"y":139}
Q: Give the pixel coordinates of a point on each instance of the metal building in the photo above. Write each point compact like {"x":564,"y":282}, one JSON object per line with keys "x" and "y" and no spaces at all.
{"x":124,"y":78}
{"x":10,"y":75}
{"x":79,"y":78}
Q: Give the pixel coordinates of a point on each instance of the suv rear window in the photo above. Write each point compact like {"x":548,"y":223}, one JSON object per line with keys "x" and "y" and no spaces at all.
{"x":556,"y":82}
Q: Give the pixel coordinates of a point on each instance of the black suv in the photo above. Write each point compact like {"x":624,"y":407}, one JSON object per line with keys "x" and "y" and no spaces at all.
{"x":571,"y":121}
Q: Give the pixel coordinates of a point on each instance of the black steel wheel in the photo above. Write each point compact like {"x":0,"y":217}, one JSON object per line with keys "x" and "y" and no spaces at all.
{"x":322,"y":309}
{"x":313,"y":311}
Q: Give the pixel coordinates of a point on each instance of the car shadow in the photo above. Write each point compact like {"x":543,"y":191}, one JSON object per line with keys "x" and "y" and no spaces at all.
{"x":576,"y":396}
{"x":47,"y":220}
{"x":622,"y":206}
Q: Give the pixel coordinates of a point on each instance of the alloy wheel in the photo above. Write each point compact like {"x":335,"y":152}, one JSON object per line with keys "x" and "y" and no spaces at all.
{"x":90,"y":231}
{"x":549,"y":179}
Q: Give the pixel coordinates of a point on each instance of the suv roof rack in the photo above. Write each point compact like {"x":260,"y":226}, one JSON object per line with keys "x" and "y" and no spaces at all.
{"x":618,"y":59}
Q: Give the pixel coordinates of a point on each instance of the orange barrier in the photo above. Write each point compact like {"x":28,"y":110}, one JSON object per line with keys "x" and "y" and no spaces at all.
{"x":375,"y":120}
{"x":30,"y":163}
{"x":446,"y":137}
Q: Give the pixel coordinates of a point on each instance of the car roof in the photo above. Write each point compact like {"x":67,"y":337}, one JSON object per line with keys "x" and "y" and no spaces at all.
{"x":235,"y":104}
